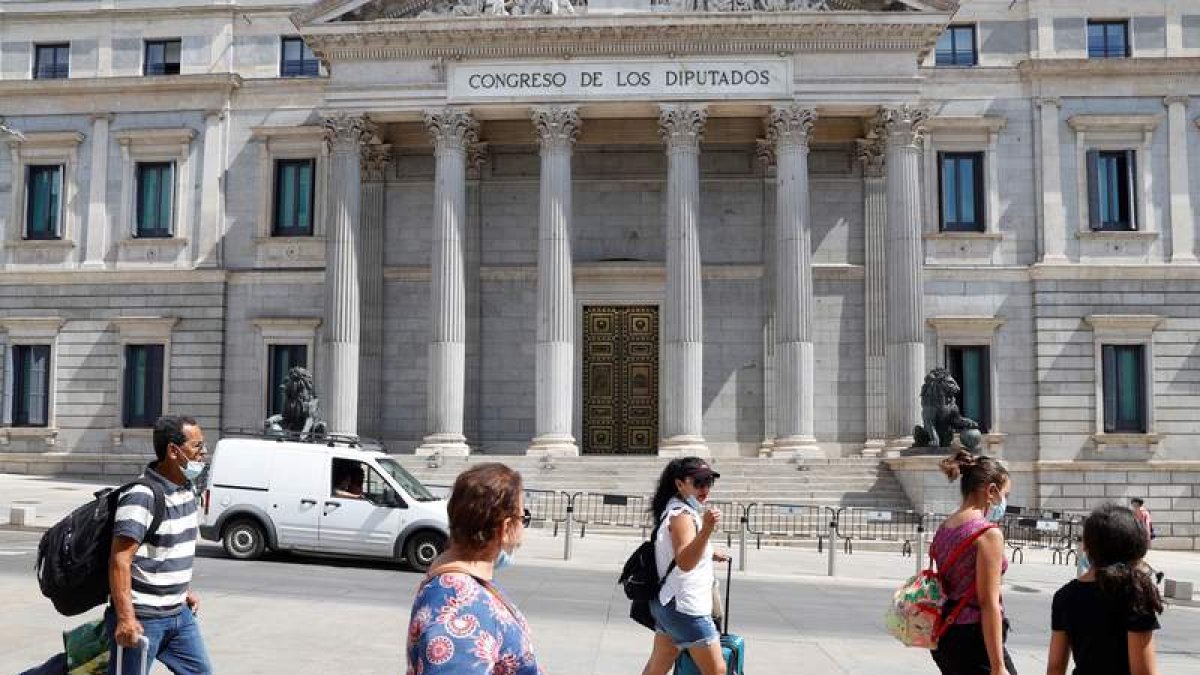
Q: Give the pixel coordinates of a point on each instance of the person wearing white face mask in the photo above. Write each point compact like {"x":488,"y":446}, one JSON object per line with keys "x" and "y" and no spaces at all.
{"x":972,"y":542}
{"x":461,"y":621}
{"x":150,"y":564}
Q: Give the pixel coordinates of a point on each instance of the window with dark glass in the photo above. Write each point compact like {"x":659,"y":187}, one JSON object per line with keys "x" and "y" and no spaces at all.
{"x":970,"y":365}
{"x":956,"y":46}
{"x":293,"y":198}
{"x":43,"y":202}
{"x":162,"y":57}
{"x":155,"y":194}
{"x":31,"y":385}
{"x":960,"y":179}
{"x":282,"y":358}
{"x":51,"y":62}
{"x":1112,"y":195}
{"x":143,"y":399}
{"x":1124,"y":388}
{"x":298,"y":60}
{"x":1108,"y":39}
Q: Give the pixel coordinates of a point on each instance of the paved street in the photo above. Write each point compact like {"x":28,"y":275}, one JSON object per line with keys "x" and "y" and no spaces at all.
{"x":296,"y":615}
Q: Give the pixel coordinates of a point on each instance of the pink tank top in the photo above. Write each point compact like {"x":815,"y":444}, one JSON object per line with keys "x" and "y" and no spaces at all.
{"x":960,"y":577}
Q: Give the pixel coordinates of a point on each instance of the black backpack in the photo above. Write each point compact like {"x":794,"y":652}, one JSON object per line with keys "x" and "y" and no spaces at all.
{"x":72,"y":559}
{"x":641,"y":581}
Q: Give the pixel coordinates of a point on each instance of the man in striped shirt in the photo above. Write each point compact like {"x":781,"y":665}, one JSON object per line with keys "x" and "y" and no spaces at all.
{"x":149,"y":572}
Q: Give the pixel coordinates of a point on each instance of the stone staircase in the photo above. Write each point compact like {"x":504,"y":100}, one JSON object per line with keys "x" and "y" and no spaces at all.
{"x":853,"y":482}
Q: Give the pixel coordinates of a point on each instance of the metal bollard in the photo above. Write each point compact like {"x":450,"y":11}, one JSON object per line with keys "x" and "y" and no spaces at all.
{"x":742,"y":543}
{"x":833,"y":548}
{"x":919,"y":553}
{"x":567,"y":528}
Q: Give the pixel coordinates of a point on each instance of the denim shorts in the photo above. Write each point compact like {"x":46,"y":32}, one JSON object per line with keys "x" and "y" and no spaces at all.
{"x":685,"y":630}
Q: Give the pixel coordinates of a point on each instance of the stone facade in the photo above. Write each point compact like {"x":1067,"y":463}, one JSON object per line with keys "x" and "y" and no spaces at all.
{"x":815,"y":359}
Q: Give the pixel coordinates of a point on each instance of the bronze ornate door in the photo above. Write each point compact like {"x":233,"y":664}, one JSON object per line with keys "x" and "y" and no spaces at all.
{"x":620,"y":379}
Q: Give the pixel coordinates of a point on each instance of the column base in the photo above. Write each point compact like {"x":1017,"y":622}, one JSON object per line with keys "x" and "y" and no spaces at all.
{"x":683,"y":446}
{"x":97,"y":265}
{"x":553,"y":445}
{"x":874,"y":447}
{"x":894,"y":446}
{"x":1184,"y":259}
{"x":766,"y":448}
{"x":798,"y":447}
{"x":446,"y":445}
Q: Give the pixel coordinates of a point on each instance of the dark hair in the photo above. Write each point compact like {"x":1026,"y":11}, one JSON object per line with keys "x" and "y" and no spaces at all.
{"x":168,"y":430}
{"x":1116,"y":543}
{"x":1137,"y":501}
{"x":974,"y":472}
{"x":676,"y":469}
{"x":483,"y":497}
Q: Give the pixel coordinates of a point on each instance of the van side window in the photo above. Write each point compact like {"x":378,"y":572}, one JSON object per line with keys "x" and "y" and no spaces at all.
{"x":347,"y":479}
{"x":378,"y":491}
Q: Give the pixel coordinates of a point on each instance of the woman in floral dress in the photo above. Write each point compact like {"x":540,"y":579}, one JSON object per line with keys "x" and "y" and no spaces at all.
{"x":461,"y":622}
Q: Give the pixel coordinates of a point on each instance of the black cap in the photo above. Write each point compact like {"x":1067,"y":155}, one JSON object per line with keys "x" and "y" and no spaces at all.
{"x":700,"y":470}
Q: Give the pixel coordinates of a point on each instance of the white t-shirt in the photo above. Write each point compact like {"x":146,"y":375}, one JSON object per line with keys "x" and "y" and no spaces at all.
{"x":691,"y":590}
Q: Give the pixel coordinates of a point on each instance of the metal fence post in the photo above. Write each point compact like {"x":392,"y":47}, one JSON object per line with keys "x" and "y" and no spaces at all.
{"x":919,"y":553}
{"x":833,"y":523}
{"x":742,"y":538}
{"x":567,"y":526}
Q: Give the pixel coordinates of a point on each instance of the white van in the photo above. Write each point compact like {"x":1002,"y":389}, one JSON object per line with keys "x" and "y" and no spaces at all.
{"x":284,"y":495}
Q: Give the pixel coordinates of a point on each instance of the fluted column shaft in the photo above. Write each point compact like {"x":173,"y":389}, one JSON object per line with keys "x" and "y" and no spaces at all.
{"x":1183,"y":218}
{"x":683,"y":326}
{"x":788,"y":128}
{"x":875,"y":292}
{"x":375,"y":163}
{"x":905,"y":351}
{"x":557,"y":128}
{"x":453,"y":132}
{"x":345,"y":136}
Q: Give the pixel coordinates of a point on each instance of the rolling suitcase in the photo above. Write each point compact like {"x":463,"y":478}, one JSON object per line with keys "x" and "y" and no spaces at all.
{"x":143,"y":649}
{"x":733,"y":647}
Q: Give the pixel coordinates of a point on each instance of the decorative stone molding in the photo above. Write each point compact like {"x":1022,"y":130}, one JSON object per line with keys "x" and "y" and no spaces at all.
{"x":452,"y":128}
{"x":682,"y":126}
{"x":295,"y":142}
{"x":871,"y":152}
{"x":1114,"y":123}
{"x":974,"y":330}
{"x":347,"y":133}
{"x":172,"y":145}
{"x":1148,"y":442}
{"x":903,"y":124}
{"x":963,"y":133}
{"x":285,"y":330}
{"x":1123,"y":325}
{"x":145,"y":327}
{"x":376,"y":160}
{"x":31,"y":328}
{"x":1115,"y":132}
{"x":36,"y":148}
{"x":1128,"y":329}
{"x":1035,"y":69}
{"x":790,"y":125}
{"x":557,"y":126}
{"x":966,"y":326}
{"x":966,"y":124}
{"x":140,"y":330}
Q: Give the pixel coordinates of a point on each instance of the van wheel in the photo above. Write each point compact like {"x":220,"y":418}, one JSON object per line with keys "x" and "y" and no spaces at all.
{"x":422,"y":548}
{"x":244,"y":540}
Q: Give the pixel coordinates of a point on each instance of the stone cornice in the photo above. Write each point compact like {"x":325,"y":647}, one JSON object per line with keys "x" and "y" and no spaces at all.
{"x":126,"y":86}
{"x":155,"y":136}
{"x":960,"y":123}
{"x":983,"y":325}
{"x":1114,"y":122}
{"x":1075,"y":68}
{"x":651,"y":35}
{"x":293,"y":323}
{"x":32,"y":326}
{"x":133,"y":327}
{"x":305,"y":132}
{"x":98,"y":277}
{"x":1108,"y":323}
{"x":48,"y":139}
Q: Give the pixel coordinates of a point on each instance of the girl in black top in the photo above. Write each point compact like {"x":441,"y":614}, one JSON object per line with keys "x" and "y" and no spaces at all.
{"x":1106,"y":618}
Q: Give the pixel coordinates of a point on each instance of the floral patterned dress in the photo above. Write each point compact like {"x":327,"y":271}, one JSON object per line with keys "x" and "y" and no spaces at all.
{"x":462,"y":624}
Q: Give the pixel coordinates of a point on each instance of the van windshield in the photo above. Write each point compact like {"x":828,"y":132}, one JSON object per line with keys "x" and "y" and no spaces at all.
{"x":406,"y":480}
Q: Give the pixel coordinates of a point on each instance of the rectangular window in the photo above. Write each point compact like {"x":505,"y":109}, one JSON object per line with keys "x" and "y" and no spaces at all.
{"x":162,"y":57}
{"x":155,"y":196}
{"x":1112,"y":193}
{"x":143,"y":401}
{"x":956,"y":46}
{"x":960,"y":180}
{"x":293,"y":198}
{"x":1108,"y":39}
{"x":298,"y":60}
{"x":43,"y":202}
{"x":282,"y":359}
{"x":1124,"y":388}
{"x":31,"y":385}
{"x":51,"y":62}
{"x":971,"y":368}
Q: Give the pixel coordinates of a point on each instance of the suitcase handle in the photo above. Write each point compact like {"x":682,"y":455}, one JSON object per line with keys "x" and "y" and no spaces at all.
{"x":143,"y":647}
{"x":728,"y":579}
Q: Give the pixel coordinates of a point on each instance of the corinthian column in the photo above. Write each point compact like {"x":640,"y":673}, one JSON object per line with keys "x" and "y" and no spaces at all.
{"x":375,"y":162}
{"x":345,"y":136}
{"x":870,"y":153}
{"x":557,"y":128}
{"x":453,"y":132}
{"x":787,"y":131}
{"x":683,"y":328}
{"x":903,"y":128}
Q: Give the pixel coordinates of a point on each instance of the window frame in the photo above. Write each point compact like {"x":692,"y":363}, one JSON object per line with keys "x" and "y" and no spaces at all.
{"x":167,"y":68}
{"x":1105,"y":24}
{"x":962,"y":134}
{"x":296,"y":142}
{"x":57,"y":71}
{"x":1114,"y":133}
{"x":155,"y":146}
{"x":1126,"y":198}
{"x":985,"y":419}
{"x":1124,"y":329}
{"x":273,"y":383}
{"x":148,"y":418}
{"x":43,"y":149}
{"x":1112,"y":388}
{"x":953,"y":30}
{"x":55,"y":232}
{"x":285,"y":330}
{"x":971,"y":330}
{"x":140,"y":330}
{"x":21,"y":398}
{"x":301,"y":67}
{"x":162,"y":232}
{"x":978,"y":190}
{"x":26,"y":331}
{"x":280,"y":164}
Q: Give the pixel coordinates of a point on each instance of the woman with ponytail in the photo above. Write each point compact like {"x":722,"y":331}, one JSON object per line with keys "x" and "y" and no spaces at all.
{"x":1106,"y":618}
{"x":969,"y":552}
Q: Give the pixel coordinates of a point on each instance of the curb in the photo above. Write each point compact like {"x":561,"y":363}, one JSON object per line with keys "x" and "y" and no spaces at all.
{"x":23,"y":528}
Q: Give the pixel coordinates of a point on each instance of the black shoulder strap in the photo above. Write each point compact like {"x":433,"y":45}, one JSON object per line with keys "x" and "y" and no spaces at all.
{"x":654,"y":538}
{"x":160,"y":503}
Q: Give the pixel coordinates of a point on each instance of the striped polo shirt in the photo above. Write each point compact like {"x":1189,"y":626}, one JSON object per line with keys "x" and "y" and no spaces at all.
{"x":162,"y":566}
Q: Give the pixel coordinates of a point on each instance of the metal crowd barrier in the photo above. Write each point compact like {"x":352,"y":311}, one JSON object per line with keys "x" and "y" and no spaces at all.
{"x":786,"y":521}
{"x":547,"y":507}
{"x":863,"y":524}
{"x":1031,"y":529}
{"x":613,"y":510}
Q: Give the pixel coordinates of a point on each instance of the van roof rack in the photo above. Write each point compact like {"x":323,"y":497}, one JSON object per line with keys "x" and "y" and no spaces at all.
{"x":330,"y":440}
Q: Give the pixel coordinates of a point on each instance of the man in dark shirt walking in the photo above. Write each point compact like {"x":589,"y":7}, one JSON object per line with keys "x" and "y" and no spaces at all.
{"x":149,"y":573}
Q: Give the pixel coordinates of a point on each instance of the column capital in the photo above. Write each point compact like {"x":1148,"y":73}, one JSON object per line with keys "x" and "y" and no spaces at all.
{"x":347,"y":133}
{"x":682,"y":125}
{"x":376,"y":159}
{"x":1176,"y":100}
{"x":452,"y":129}
{"x":902,"y":125}
{"x":1042,"y":101}
{"x":557,"y":126}
{"x":789,"y":125}
{"x":871,"y":152}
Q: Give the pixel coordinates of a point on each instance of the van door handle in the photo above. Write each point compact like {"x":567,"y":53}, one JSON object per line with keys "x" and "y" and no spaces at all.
{"x":333,"y":504}
{"x":308,"y":502}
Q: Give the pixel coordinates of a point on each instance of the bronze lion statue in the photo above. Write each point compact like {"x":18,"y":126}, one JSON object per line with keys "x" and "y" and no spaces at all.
{"x":939,"y":411}
{"x":299,"y":414}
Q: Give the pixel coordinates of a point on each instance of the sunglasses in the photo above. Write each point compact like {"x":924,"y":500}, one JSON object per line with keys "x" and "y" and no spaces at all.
{"x":526,"y":518}
{"x":701,"y":483}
